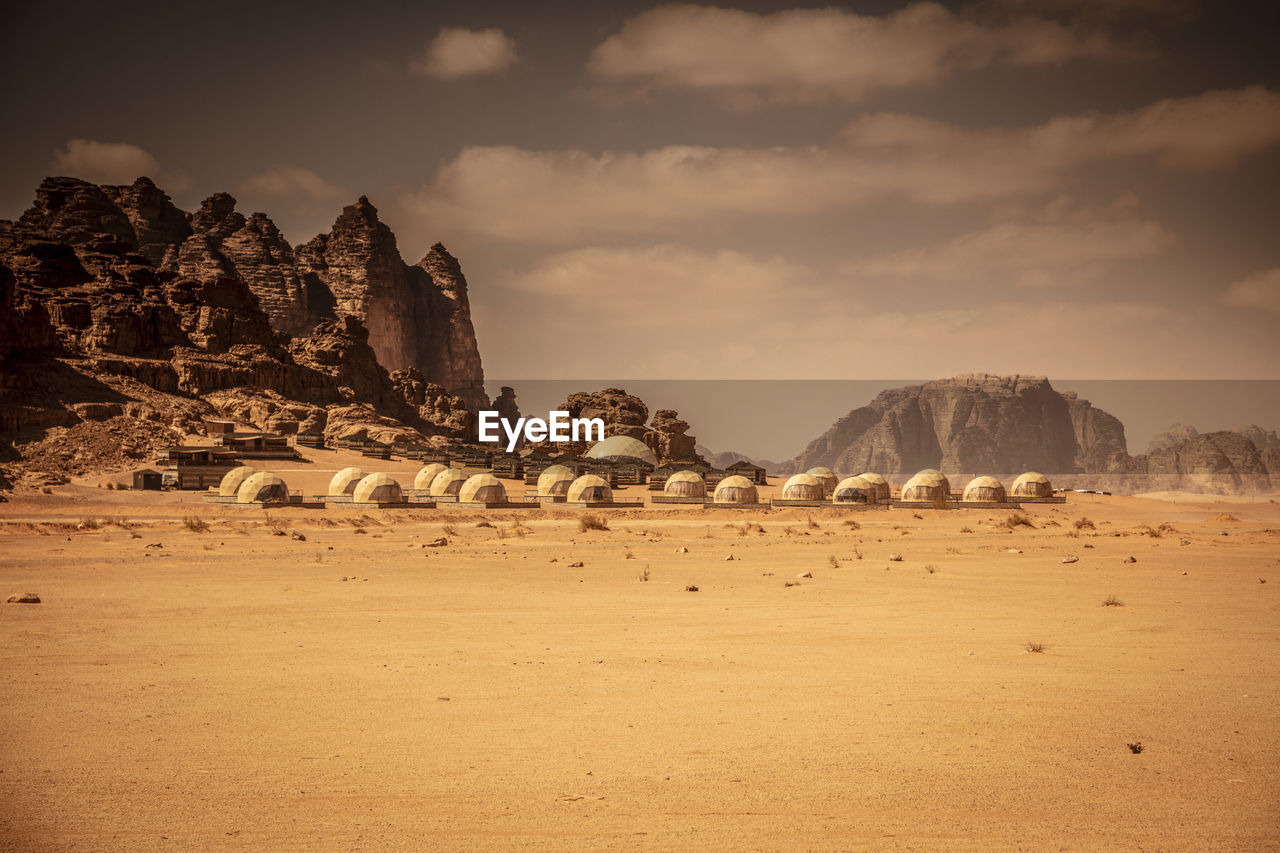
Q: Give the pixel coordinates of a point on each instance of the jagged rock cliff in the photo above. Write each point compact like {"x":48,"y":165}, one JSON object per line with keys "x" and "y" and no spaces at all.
{"x":973,"y":423}
{"x":111,"y":296}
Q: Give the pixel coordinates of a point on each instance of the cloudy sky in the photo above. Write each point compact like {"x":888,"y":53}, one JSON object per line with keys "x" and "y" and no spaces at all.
{"x":1080,"y":189}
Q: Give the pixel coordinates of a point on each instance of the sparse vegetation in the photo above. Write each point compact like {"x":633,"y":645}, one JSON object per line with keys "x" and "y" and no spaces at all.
{"x":1148,"y":530}
{"x":834,"y":561}
{"x":643,"y":576}
{"x":1112,"y":601}
{"x":930,"y":568}
{"x":195,"y":524}
{"x":1166,"y":527}
{"x":1037,"y":648}
{"x":690,"y":588}
{"x":1083,"y":523}
{"x":1016,"y":520}
{"x":851,"y":524}
{"x":1135,"y":747}
{"x":628,"y":554}
{"x":966,"y":529}
{"x":813,"y":525}
{"x":449,"y":530}
{"x":857,"y":554}
{"x":592,"y":522}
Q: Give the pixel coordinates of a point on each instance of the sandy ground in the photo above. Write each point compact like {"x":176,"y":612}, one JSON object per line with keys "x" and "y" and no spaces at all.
{"x":236,"y":689}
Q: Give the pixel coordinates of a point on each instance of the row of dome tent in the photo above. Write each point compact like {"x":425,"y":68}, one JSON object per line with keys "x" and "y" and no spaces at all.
{"x":435,"y":483}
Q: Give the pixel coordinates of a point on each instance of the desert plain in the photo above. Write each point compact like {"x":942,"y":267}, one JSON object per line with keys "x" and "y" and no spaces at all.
{"x":198,"y":677}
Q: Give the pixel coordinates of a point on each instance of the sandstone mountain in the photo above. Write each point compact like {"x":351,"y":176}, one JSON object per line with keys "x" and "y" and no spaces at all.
{"x":116,"y":304}
{"x":1004,"y":425}
{"x":1262,"y":439}
{"x":626,"y":414}
{"x":973,"y":423}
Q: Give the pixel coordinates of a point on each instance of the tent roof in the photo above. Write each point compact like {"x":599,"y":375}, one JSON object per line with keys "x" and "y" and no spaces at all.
{"x":622,"y":445}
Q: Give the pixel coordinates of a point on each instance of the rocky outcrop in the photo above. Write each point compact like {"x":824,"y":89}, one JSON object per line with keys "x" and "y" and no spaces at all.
{"x":1174,"y":435}
{"x":669,"y":439}
{"x":1226,"y":462}
{"x":418,"y":317}
{"x":622,"y":413}
{"x":112,"y":298}
{"x":971,"y":424}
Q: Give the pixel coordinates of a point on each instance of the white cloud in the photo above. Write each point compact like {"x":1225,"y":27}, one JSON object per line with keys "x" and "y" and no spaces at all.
{"x":1259,"y":291}
{"x":806,"y":55}
{"x":458,"y":52}
{"x":114,"y":163}
{"x":1053,"y":251}
{"x":291,"y":182}
{"x":573,"y":195}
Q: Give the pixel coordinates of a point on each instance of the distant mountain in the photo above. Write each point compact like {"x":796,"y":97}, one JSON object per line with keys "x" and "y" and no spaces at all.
{"x":728,"y":457}
{"x":972,"y":423}
{"x":1262,"y":439}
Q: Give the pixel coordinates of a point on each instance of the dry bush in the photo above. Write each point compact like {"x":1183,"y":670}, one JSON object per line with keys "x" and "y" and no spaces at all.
{"x":195,"y":524}
{"x":1073,"y":534}
{"x":1083,"y":523}
{"x":519,"y":528}
{"x":951,"y":549}
{"x":834,"y":561}
{"x":88,"y":523}
{"x":1166,"y":527}
{"x":1148,"y":530}
{"x":851,"y":524}
{"x":592,"y":522}
{"x":1112,"y":601}
{"x":1016,"y":520}
{"x":1036,"y":647}
{"x":643,"y":576}
{"x":930,"y":568}
{"x":857,"y":555}
{"x":628,"y":554}
{"x":813,"y":525}
{"x":449,"y":530}
{"x":966,"y":529}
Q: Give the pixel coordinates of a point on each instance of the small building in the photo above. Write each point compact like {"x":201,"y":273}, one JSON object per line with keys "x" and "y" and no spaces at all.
{"x":482,"y":489}
{"x":853,"y":490}
{"x":826,"y":477}
{"x":589,"y":489}
{"x":685,"y":484}
{"x":553,"y":483}
{"x":218,"y":426}
{"x":1032,"y":484}
{"x":879,"y":486}
{"x":448,"y":483}
{"x":736,"y":489}
{"x":428,"y":473}
{"x":927,"y":487}
{"x":257,"y":445}
{"x":310,"y":439}
{"x":148,"y":479}
{"x":750,"y":470}
{"x":377,"y":489}
{"x":804,"y":487}
{"x":263,"y":488}
{"x":509,"y":466}
{"x":199,"y":467}
{"x":343,"y":483}
{"x":984,"y":490}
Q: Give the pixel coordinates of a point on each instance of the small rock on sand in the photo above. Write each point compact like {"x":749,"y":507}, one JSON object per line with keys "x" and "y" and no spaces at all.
{"x":895,"y":558}
{"x":1131,"y":559}
{"x":1071,"y":558}
{"x":576,"y":565}
{"x":297,"y":536}
{"x":805,"y":575}
{"x":24,"y":598}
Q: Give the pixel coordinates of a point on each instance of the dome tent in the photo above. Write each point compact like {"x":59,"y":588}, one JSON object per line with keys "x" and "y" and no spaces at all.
{"x":803,"y":487}
{"x":879,"y":485}
{"x":685,"y":484}
{"x":422,"y":481}
{"x":825,"y":476}
{"x":623,"y":446}
{"x":1032,"y":484}
{"x":344,"y":482}
{"x":736,"y":490}
{"x":230,"y":485}
{"x":448,"y":483}
{"x":927,"y":486}
{"x":984,"y":490}
{"x":262,"y":487}
{"x":554,"y":481}
{"x":482,"y":488}
{"x":590,"y":488}
{"x":377,"y":488}
{"x":853,"y":490}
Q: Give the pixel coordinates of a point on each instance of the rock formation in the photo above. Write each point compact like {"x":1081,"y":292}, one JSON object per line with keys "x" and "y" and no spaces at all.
{"x":114,"y":302}
{"x":625,"y":414}
{"x":970,"y":424}
{"x":1175,"y":434}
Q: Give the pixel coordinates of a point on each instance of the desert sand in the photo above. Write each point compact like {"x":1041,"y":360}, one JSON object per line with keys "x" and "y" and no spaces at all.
{"x":352,"y":690}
